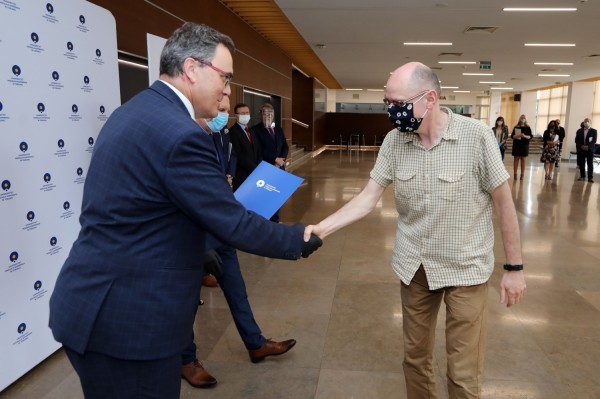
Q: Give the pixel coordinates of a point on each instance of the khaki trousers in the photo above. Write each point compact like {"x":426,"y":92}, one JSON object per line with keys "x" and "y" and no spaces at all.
{"x":466,"y":328}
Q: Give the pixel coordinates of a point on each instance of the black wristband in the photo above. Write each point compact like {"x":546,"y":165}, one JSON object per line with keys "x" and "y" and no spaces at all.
{"x":513,"y":268}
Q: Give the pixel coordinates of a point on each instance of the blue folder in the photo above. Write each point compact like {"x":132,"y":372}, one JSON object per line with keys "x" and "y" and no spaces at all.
{"x":266,"y":189}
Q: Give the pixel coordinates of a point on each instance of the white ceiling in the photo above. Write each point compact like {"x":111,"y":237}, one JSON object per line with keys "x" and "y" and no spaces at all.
{"x":364,"y":39}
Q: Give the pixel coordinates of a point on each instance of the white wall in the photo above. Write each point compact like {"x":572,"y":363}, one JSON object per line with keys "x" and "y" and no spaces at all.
{"x":579,"y":106}
{"x":529,"y":108}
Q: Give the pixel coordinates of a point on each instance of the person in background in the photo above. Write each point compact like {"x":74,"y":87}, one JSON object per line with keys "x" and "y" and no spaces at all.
{"x":585,"y":141}
{"x":245,"y":145}
{"x":273,"y":144}
{"x":228,"y":274}
{"x":447,"y":181}
{"x":561,"y":138}
{"x":521,"y":134}
{"x":126,"y":297}
{"x":500,"y":131}
{"x":550,"y":151}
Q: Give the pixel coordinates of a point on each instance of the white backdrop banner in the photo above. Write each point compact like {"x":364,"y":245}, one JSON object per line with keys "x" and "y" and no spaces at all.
{"x":59,"y":82}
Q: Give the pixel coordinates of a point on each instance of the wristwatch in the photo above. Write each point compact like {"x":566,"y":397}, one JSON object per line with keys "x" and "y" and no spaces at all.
{"x":513,"y":268}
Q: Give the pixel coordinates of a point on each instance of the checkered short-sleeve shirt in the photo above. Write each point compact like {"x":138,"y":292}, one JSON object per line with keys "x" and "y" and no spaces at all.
{"x":443,"y":197}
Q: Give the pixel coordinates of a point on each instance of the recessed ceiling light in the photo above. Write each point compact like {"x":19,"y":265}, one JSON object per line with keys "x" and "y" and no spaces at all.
{"x":553,"y":74}
{"x":477,"y":74}
{"x":375,"y":90}
{"x":449,"y":87}
{"x":492,"y":83}
{"x":457,"y":62}
{"x":553,"y":63}
{"x":550,"y":44}
{"x":461,"y":91}
{"x":501,"y":88}
{"x":426,"y":44}
{"x":538,"y":9}
{"x":354,"y":89}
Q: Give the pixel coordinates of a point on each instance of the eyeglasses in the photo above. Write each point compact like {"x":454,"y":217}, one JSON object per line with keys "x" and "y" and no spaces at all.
{"x":402,"y":103}
{"x":227,"y":75}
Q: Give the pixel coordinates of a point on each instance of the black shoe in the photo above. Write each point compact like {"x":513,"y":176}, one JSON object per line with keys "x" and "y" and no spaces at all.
{"x":590,"y":180}
{"x":581,"y":179}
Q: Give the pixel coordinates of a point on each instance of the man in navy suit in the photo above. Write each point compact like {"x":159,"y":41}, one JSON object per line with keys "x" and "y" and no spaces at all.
{"x":585,"y":141}
{"x":245,"y":144}
{"x":273,"y":144}
{"x":125,"y":299}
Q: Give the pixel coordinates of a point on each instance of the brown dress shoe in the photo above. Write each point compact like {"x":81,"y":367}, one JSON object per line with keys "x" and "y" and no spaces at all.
{"x":210,"y":281}
{"x":197,"y":376}
{"x":270,"y":348}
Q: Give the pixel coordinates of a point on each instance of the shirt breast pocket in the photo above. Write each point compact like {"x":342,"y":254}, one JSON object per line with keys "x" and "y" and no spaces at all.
{"x":451,"y":185}
{"x":406,"y":186}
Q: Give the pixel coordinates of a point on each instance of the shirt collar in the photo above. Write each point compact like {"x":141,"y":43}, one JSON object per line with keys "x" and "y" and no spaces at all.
{"x":184,"y":99}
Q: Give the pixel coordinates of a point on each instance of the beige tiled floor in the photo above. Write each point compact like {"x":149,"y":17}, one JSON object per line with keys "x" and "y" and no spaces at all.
{"x":343,"y":303}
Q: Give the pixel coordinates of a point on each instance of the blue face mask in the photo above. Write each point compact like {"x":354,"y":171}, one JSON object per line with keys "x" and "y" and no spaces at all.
{"x":218,"y":122}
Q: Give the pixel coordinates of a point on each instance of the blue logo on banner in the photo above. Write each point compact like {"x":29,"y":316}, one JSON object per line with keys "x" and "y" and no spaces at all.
{"x":22,"y":327}
{"x":75,"y":108}
{"x":6,"y":185}
{"x":82,"y":19}
{"x":47,"y":177}
{"x":79,"y":171}
{"x":16,"y":70}
{"x":53,"y":241}
{"x":14,"y":256}
{"x":91,"y":141}
{"x":66,"y":205}
{"x":49,"y":8}
{"x":1,"y":106}
{"x":102,"y":109}
{"x":30,"y":215}
{"x":55,"y":76}
{"x":37,"y":285}
{"x":61,"y":143}
{"x":86,"y":80}
{"x":34,"y":37}
{"x":41,"y":107}
{"x":70,"y":46}
{"x":23,"y":146}
{"x":98,"y":52}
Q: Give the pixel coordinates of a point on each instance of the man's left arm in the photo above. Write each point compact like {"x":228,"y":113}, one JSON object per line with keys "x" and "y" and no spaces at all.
{"x":512,"y":286}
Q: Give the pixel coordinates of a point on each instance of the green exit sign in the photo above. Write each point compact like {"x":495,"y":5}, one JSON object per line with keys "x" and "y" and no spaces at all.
{"x":485,"y":65}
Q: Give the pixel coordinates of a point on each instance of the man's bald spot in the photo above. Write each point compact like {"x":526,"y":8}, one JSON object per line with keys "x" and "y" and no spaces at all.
{"x":415,"y":77}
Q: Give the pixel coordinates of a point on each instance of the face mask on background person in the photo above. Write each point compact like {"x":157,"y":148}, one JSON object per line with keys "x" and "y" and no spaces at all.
{"x":500,"y":123}
{"x":244,"y":119}
{"x":587,"y":124}
{"x":218,"y":122}
{"x":523,"y":121}
{"x":402,"y":116}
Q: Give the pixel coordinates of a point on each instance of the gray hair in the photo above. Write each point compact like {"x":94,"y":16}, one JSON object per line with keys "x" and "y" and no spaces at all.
{"x":191,"y":40}
{"x":424,"y":77}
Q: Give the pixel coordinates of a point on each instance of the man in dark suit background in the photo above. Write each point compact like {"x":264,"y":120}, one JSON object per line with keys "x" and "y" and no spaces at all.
{"x":585,"y":141}
{"x":273,"y":144}
{"x":561,"y":138}
{"x":125,"y":299}
{"x":245,"y":144}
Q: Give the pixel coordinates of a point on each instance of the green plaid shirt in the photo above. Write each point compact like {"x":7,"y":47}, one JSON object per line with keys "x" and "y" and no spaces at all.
{"x":443,"y":198}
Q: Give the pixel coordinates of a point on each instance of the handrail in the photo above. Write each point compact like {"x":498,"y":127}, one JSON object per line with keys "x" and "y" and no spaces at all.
{"x":304,"y":125}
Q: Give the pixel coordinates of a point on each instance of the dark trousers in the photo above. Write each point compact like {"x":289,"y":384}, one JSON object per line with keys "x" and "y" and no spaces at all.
{"x":584,"y":157}
{"x":104,"y":376}
{"x":234,"y":288}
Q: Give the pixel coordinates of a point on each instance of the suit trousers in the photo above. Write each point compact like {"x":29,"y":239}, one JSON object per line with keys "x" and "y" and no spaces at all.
{"x":584,"y":157}
{"x":103,"y":376}
{"x":466,"y":330}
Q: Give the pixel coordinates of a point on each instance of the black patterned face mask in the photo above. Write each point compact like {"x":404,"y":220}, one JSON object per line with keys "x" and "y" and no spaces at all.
{"x":401,"y":114}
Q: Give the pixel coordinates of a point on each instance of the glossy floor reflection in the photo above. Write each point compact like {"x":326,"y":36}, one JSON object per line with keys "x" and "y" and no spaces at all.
{"x":342,"y":304}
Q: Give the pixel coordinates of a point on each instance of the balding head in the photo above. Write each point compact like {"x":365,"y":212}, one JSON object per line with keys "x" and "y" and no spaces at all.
{"x":414,"y":77}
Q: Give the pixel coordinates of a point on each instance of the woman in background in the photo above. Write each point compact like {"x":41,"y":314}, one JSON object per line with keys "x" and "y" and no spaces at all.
{"x":550,"y":152}
{"x":521,"y":134}
{"x":501,"y":132}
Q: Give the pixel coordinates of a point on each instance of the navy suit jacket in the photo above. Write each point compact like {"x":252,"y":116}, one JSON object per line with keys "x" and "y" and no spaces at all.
{"x":130,"y":285}
{"x":249,"y":155}
{"x":271,"y":147}
{"x":590,"y":141}
{"x":223,"y":142}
